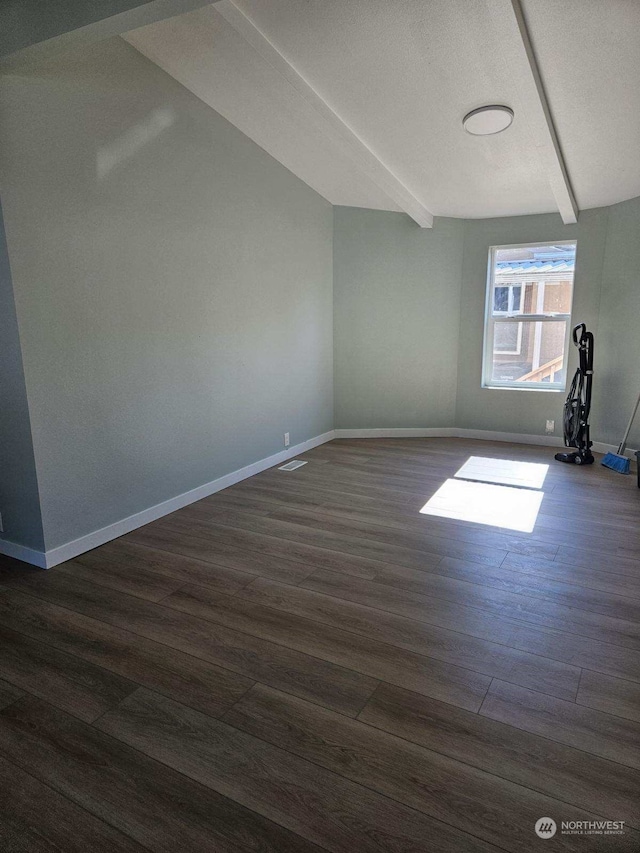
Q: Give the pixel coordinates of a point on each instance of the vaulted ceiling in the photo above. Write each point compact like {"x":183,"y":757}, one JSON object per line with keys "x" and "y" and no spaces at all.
{"x":364,"y":99}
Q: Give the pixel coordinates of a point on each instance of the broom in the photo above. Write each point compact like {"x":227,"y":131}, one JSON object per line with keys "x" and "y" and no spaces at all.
{"x":616,"y":461}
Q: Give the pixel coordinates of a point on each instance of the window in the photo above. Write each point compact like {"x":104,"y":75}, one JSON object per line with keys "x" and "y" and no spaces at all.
{"x":529,"y":293}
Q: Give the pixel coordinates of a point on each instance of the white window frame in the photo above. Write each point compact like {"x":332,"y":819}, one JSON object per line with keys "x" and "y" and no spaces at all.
{"x":490,"y":322}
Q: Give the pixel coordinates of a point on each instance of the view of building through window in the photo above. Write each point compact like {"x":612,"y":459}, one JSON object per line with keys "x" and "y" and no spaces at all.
{"x":528,"y":313}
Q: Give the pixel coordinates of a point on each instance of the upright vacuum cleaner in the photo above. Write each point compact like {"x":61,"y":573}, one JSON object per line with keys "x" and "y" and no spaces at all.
{"x":578,"y":403}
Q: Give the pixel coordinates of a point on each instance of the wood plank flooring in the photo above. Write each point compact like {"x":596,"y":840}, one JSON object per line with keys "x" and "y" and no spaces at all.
{"x":304,"y":662}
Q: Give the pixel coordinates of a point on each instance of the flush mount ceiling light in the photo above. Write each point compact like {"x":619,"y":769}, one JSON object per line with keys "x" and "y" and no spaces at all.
{"x":488,"y":120}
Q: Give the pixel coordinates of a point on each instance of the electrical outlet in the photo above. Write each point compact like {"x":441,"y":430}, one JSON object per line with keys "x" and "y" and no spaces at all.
{"x":550,"y":427}
{"x":286,"y":439}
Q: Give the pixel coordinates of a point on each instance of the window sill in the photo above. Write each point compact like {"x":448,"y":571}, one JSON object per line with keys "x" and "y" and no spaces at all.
{"x":518,"y":388}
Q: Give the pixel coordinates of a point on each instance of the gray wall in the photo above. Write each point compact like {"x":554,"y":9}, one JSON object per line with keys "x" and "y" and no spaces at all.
{"x":404,"y":358}
{"x":19,"y":500}
{"x":396,"y":313}
{"x":513,"y":410}
{"x":618,"y":354}
{"x":173,"y":286}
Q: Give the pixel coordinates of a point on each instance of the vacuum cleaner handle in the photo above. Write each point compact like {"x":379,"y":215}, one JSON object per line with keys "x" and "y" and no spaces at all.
{"x":623,"y":443}
{"x":577,"y":339}
{"x":584,"y":341}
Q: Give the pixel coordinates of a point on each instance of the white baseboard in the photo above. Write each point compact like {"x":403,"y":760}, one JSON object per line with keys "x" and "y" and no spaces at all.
{"x":430,"y":432}
{"x":92,"y":540}
{"x":69,"y":550}
{"x":511,"y":437}
{"x":21,"y":552}
{"x":483,"y":434}
{"x":451,"y":432}
{"x":599,"y":447}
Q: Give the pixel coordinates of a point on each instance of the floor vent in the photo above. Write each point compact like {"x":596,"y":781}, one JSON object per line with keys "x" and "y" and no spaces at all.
{"x":291,"y":466}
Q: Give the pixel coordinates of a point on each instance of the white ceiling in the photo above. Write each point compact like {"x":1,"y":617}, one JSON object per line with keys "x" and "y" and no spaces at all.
{"x":363,"y":99}
{"x":589,"y":55}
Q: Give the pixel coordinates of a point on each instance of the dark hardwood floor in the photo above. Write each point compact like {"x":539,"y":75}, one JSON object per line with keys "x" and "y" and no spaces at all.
{"x":304,"y":662}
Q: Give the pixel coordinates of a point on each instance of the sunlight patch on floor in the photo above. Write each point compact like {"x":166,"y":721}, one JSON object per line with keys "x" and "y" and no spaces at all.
{"x":482,"y":503}
{"x":530,"y":475}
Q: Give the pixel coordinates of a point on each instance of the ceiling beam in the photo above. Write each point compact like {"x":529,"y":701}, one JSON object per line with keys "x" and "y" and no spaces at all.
{"x":326,"y":120}
{"x":516,"y":47}
{"x":33,"y":30}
